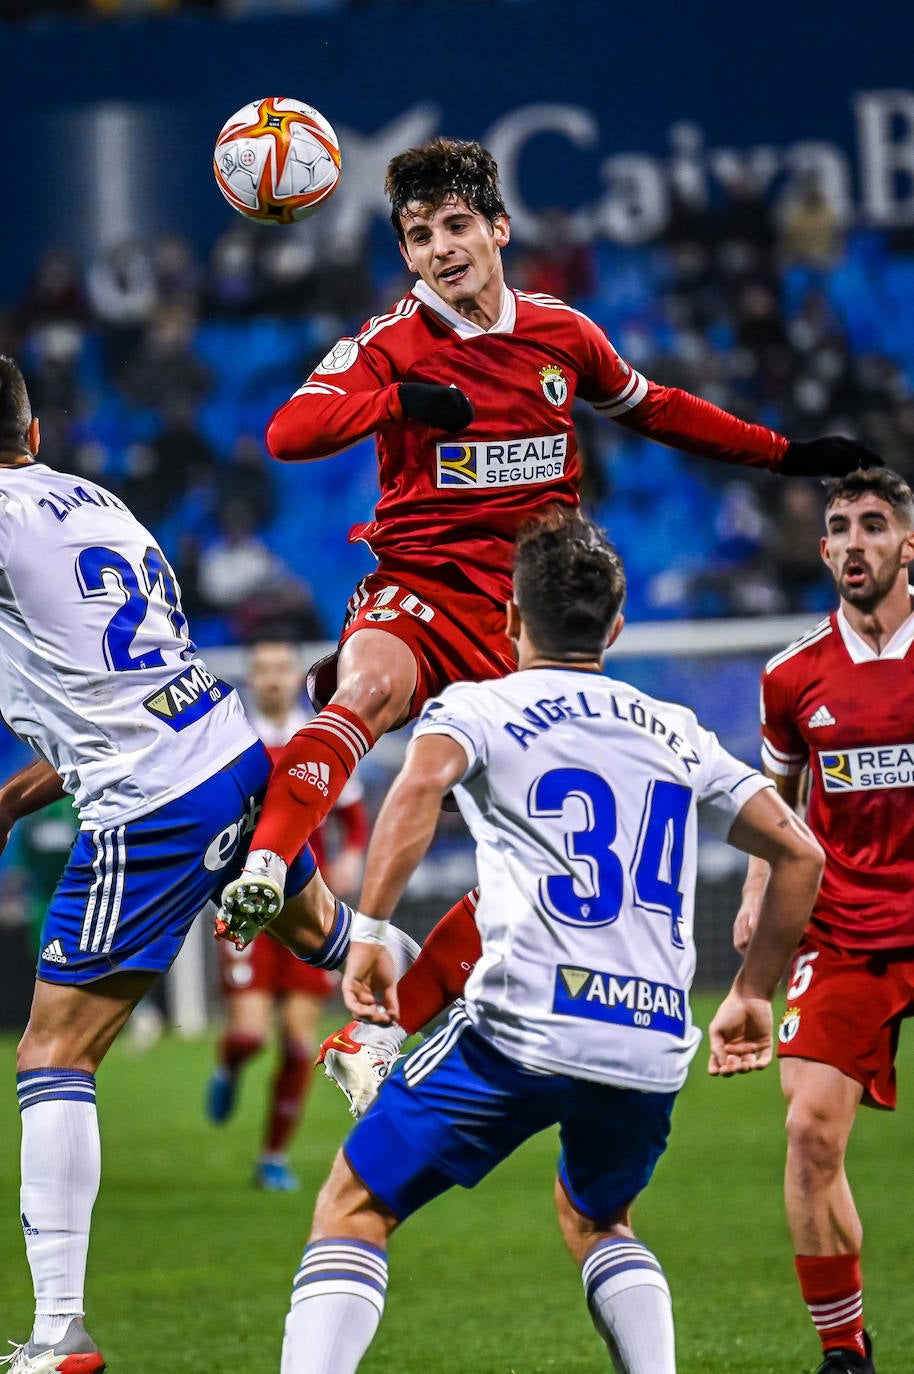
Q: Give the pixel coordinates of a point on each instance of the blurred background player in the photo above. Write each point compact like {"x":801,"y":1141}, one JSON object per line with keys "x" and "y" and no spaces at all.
{"x":99,"y":675}
{"x":264,"y":980}
{"x":582,"y":796}
{"x":461,"y":354}
{"x":838,"y":713}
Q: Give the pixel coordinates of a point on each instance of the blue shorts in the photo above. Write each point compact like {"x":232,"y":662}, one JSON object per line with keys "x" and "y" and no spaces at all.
{"x":129,"y":893}
{"x":456,"y":1107}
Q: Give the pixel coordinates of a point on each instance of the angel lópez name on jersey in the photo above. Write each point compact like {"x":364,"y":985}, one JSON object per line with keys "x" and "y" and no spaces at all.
{"x":502,"y":462}
{"x":869,"y":769}
{"x":549,"y":711}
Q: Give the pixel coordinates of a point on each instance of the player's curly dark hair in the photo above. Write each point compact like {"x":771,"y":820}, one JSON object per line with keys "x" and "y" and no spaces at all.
{"x":569,"y":583}
{"x":15,"y":409}
{"x":435,"y":171}
{"x":881,"y":482}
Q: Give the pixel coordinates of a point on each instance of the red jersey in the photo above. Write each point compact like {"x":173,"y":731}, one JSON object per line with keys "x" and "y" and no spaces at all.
{"x":831,"y":703}
{"x":451,"y":506}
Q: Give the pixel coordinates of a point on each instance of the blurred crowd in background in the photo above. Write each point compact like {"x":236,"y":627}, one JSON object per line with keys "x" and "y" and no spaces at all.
{"x":155,"y":372}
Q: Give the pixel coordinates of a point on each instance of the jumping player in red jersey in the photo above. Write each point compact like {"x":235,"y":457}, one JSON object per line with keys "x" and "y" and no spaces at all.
{"x":468,"y":387}
{"x":838,"y":710}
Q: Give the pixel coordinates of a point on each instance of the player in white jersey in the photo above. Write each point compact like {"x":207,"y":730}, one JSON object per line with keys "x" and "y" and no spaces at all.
{"x":582,"y":796}
{"x":98,"y":673}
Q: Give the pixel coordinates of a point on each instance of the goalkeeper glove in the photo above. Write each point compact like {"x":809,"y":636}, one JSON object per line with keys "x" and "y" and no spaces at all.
{"x":442,"y":407}
{"x":832,"y":456}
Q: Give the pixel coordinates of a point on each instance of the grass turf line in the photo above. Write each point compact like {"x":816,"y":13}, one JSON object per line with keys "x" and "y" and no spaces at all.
{"x":190,"y":1267}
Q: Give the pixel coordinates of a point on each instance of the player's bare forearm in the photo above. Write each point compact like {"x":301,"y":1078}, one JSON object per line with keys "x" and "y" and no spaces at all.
{"x":758,"y":870}
{"x":769,"y":830}
{"x":751,"y":904}
{"x":403,"y":832}
{"x":676,"y":418}
{"x":30,"y":789}
{"x":785,"y":912}
{"x":406,"y":822}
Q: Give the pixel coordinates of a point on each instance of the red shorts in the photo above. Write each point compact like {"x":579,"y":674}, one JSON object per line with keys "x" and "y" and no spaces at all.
{"x":267,"y":966}
{"x":845,"y":1008}
{"x":454,"y":635}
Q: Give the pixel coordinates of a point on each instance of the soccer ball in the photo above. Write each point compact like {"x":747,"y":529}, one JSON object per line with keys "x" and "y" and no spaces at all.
{"x":277,"y":160}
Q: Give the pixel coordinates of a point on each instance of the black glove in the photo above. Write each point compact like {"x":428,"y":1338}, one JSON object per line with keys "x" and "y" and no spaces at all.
{"x":832,"y":456}
{"x":443,"y":407}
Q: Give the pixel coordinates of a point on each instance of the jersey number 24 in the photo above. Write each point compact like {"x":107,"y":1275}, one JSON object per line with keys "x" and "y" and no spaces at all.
{"x":136,"y":586}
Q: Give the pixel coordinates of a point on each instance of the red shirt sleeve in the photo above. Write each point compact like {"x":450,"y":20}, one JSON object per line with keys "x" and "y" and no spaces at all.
{"x":784,"y":750}
{"x":683,"y":421}
{"x":346,"y":398}
{"x":666,"y":414}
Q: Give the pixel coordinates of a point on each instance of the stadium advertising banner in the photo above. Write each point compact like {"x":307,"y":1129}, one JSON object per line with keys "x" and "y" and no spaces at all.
{"x":605,"y":111}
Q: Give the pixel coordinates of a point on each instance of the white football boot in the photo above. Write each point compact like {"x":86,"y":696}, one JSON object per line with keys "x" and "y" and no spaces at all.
{"x":74,"y":1352}
{"x":253,"y":899}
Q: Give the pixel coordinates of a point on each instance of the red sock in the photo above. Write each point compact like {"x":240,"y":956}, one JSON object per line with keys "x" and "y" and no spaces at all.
{"x":236,"y":1049}
{"x":290,"y":1087}
{"x":443,"y":966}
{"x":832,"y":1289}
{"x":309,"y":775}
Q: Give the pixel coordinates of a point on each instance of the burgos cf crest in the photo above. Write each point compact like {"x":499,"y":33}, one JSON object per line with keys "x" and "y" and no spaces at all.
{"x":555,"y":388}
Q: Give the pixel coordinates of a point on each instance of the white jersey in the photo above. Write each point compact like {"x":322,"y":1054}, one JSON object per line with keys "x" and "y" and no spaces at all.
{"x":581,"y":794}
{"x":97,"y":670}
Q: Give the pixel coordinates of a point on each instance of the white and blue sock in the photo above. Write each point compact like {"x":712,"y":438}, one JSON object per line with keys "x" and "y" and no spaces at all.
{"x":629,"y":1300}
{"x":337,"y":1303}
{"x":332,"y":953}
{"x":61,"y":1171}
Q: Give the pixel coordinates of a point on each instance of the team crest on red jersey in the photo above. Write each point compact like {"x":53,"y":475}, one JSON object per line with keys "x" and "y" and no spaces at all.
{"x":555,"y":387}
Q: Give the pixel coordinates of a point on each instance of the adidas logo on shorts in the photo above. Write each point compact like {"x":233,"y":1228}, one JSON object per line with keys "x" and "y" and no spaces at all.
{"x":53,"y":953}
{"x":316,"y":773}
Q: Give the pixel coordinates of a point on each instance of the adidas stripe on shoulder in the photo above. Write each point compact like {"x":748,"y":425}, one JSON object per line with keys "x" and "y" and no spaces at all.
{"x":820,"y":631}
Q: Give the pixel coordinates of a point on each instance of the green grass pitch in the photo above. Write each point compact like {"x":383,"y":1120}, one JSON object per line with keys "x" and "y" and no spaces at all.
{"x":190,"y":1267}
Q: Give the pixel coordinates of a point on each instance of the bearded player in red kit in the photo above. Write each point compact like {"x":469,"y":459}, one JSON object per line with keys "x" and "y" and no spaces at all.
{"x":838,"y":709}
{"x":461,"y":355}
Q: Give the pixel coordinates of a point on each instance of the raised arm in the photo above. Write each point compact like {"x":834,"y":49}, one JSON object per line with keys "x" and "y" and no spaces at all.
{"x":352,"y":393}
{"x":677,"y":418}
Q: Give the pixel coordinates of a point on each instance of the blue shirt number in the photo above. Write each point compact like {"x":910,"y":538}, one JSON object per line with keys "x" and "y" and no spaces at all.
{"x":92,"y":565}
{"x":593,"y":895}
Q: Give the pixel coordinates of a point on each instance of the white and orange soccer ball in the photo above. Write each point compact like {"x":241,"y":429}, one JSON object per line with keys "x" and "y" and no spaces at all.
{"x":277,"y":160}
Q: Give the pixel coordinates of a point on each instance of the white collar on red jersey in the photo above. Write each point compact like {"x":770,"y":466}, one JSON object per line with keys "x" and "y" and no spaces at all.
{"x":862,"y":652}
{"x":466,"y":328}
